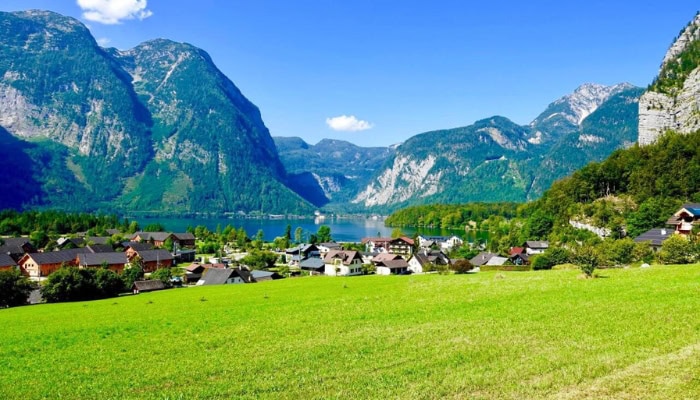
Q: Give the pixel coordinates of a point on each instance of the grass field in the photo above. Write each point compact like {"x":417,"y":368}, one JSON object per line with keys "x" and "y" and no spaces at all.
{"x":632,"y":333}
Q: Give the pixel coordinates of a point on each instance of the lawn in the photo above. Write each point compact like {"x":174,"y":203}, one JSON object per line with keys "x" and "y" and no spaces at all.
{"x":631,"y":333}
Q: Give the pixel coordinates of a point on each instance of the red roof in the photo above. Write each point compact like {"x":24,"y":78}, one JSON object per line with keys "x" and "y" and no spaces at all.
{"x":516,"y":250}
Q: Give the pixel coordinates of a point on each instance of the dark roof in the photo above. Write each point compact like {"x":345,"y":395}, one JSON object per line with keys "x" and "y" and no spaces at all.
{"x":522,"y":256}
{"x":422,"y":259}
{"x":377,"y":240}
{"x":263,"y":275}
{"x":184,"y":236}
{"x":15,"y":241}
{"x":381,"y":257}
{"x":56,"y":257}
{"x":482,"y":259}
{"x":395,"y":264}
{"x":97,"y":239}
{"x":138,"y":246}
{"x":655,"y":236}
{"x":99,"y":248}
{"x":97,"y":259}
{"x":302,"y":248}
{"x":693,"y":208}
{"x":312,"y":263}
{"x":146,"y":236}
{"x":219,"y":276}
{"x":331,"y":245}
{"x":404,"y":239}
{"x":497,"y":260}
{"x":345,"y":255}
{"x":198,"y":268}
{"x":113,"y":231}
{"x":147,"y":286}
{"x":155,"y":255}
{"x":7,"y":261}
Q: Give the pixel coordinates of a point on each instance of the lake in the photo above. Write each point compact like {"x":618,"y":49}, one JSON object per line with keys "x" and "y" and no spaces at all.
{"x":342,"y":230}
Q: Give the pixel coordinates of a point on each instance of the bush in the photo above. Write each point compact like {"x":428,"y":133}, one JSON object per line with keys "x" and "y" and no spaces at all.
{"x":14,"y":288}
{"x":587,"y":258}
{"x":164,"y":275}
{"x":677,"y":249}
{"x":462,"y":266}
{"x":541,"y":261}
{"x":73,"y":284}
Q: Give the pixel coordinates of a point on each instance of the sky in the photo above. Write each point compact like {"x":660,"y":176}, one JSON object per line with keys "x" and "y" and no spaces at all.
{"x":376,"y":72}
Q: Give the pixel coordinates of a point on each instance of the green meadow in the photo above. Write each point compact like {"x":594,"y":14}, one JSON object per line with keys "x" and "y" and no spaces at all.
{"x":629,"y":334}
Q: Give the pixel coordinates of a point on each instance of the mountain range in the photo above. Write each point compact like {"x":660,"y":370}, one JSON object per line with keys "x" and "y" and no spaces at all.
{"x":159,"y":129}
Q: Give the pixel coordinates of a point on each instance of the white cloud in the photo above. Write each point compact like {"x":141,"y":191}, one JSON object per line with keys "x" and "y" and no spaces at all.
{"x":112,"y":12}
{"x":103,"y":42}
{"x":348,"y":123}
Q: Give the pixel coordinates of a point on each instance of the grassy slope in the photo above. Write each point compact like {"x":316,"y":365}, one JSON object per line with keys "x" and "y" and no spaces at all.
{"x":635,"y":333}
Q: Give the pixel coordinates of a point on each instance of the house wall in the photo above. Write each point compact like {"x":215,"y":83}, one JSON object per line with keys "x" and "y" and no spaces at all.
{"x":383,"y":271}
{"x":153,"y":265}
{"x":343,"y":270}
{"x":415,"y":266}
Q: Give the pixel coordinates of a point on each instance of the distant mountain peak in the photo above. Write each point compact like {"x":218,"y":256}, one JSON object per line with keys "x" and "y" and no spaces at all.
{"x":586,"y":99}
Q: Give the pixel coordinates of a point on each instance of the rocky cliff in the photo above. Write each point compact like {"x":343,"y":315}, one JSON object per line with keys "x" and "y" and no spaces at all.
{"x":673,"y":100}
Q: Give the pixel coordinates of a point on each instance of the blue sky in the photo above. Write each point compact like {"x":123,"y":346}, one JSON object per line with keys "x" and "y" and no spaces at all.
{"x":398,"y":68}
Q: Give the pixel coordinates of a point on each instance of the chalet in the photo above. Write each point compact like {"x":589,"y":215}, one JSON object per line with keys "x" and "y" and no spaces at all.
{"x":402,"y":246}
{"x":535,"y":247}
{"x":114,"y":261}
{"x":41,"y":265}
{"x":655,"y":237}
{"x":147,"y":286}
{"x":342,"y":263}
{"x":299,"y":253}
{"x":684,"y":219}
{"x":497,"y":261}
{"x":194,"y":272}
{"x":70,"y":243}
{"x":184,"y":240}
{"x":132,"y":248}
{"x":445,"y":243}
{"x":157,"y":239}
{"x":223,"y":276}
{"x":482,"y":258}
{"x":7,"y":263}
{"x":185,"y":255}
{"x":392,"y":267}
{"x":376,"y":244}
{"x":16,"y":247}
{"x":313,"y":265}
{"x":425,"y":260}
{"x":520,"y":259}
{"x":154,"y":259}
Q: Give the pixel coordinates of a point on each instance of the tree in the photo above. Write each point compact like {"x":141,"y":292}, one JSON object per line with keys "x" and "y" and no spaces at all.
{"x":164,"y":275}
{"x":324,"y":234}
{"x":134,"y":272}
{"x":541,"y":261}
{"x":154,"y":227}
{"x":14,"y":288}
{"x":587,"y":258}
{"x":298,"y":234}
{"x":169,"y":244}
{"x":288,"y":233}
{"x":69,"y":284}
{"x":133,"y":227}
{"x":677,"y":249}
{"x":257,"y":259}
{"x":396,"y":233}
{"x":462,"y":266}
{"x":108,"y":283}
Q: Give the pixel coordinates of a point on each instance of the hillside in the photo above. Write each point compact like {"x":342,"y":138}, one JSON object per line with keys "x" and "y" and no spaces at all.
{"x":489,"y":335}
{"x":155,"y":128}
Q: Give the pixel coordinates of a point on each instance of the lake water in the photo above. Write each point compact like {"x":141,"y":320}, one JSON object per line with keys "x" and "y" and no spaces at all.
{"x":342,"y":230}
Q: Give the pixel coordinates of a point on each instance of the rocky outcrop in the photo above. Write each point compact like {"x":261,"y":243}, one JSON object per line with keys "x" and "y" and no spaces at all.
{"x":677,"y":110}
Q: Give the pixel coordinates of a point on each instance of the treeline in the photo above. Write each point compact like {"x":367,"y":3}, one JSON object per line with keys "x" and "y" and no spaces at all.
{"x":449,"y":216}
{"x":14,"y":223}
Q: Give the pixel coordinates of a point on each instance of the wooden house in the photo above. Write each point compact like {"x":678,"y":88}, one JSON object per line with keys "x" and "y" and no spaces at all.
{"x":114,"y":261}
{"x":40,"y":265}
{"x":16,"y":247}
{"x":342,"y":263}
{"x":7,"y":263}
{"x":684,"y":219}
{"x":147,"y":286}
{"x":154,"y":259}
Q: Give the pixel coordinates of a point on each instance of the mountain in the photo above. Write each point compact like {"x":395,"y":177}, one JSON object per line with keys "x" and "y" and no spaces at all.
{"x":497,"y":160}
{"x":156,"y":128}
{"x":672,"y":101}
{"x":331,"y":170}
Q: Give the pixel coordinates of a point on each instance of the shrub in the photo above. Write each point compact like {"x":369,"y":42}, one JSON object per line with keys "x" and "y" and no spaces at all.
{"x":14,"y":288}
{"x":462,"y":266}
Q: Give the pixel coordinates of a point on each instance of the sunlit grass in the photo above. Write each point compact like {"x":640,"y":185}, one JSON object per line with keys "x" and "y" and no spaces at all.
{"x":548,"y":334}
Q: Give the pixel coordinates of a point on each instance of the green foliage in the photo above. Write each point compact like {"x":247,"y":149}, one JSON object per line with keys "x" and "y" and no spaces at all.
{"x":73,"y":284}
{"x":154,"y":227}
{"x":14,"y":288}
{"x":324,"y":234}
{"x":675,"y":71}
{"x":133,"y":272}
{"x":164,"y":275}
{"x":39,"y":224}
{"x":588,"y":259}
{"x":257,"y":259}
{"x":462,"y":266}
{"x":677,"y":249}
{"x":449,"y":216}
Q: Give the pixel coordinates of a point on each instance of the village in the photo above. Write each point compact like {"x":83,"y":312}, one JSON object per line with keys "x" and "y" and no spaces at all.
{"x":176,"y":253}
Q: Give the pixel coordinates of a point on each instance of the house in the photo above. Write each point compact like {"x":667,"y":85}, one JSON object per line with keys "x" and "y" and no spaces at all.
{"x":224,"y":276}
{"x":324,"y":248}
{"x":445,"y":243}
{"x":402,"y":245}
{"x":535,"y":247}
{"x":185,"y":240}
{"x":313,"y":265}
{"x":16,"y":247}
{"x":131,"y":248}
{"x":114,"y":261}
{"x":520,"y":259}
{"x":426,"y":260}
{"x":655,"y":237}
{"x":154,"y":259}
{"x":301,"y":252}
{"x":185,"y":255}
{"x":262,"y":276}
{"x":376,"y":244}
{"x":147,"y":286}
{"x":392,"y":267}
{"x":157,"y":239}
{"x":516,"y":250}
{"x":194,"y":272}
{"x":7,"y":263}
{"x":69,"y":243}
{"x":342,"y":263}
{"x":684,"y":219}
{"x":40,"y":265}
{"x":482,"y":258}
